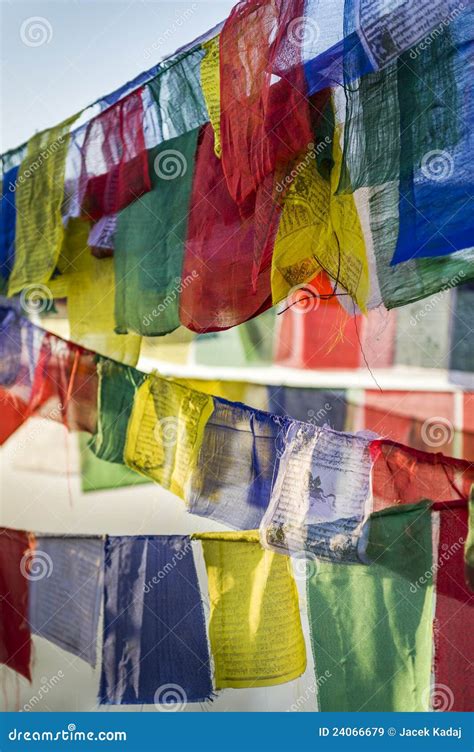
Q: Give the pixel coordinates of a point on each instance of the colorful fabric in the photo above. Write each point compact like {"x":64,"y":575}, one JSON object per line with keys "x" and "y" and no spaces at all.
{"x":15,"y":638}
{"x":254,"y":627}
{"x":219,"y":252}
{"x":402,"y":475}
{"x":371,"y":626}
{"x":232,"y":478}
{"x":155,"y":647}
{"x":176,"y":90}
{"x":114,"y":166}
{"x":90,"y":291}
{"x":334,"y":156}
{"x":65,"y":601}
{"x":166,"y":431}
{"x":7,"y":226}
{"x":117,"y":386}
{"x":38,"y":198}
{"x":454,"y":617}
{"x":149,"y":243}
{"x":211,"y":88}
{"x":321,"y":495}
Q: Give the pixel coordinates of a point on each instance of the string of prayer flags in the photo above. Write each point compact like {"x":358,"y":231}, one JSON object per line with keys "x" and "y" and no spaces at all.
{"x":266,"y":126}
{"x":254,"y":623}
{"x":15,"y":638}
{"x":371,"y":626}
{"x":66,"y":594}
{"x":380,"y":638}
{"x":155,"y":646}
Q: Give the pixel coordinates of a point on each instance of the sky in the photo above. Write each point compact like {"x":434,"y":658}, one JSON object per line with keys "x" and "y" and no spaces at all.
{"x":57,"y":56}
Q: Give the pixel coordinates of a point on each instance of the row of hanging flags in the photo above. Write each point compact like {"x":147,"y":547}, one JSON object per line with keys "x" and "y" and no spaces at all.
{"x":390,"y":634}
{"x":300,"y":143}
{"x":383,"y":529}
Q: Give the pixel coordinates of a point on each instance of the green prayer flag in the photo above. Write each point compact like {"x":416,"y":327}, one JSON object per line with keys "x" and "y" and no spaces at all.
{"x":371,"y":625}
{"x":149,"y":243}
{"x":116,"y":393}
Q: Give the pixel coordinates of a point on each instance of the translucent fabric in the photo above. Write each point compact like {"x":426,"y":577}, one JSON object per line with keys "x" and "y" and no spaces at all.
{"x":219,"y":248}
{"x":461,"y":353}
{"x":117,"y":385}
{"x":149,"y":243}
{"x":38,"y":198}
{"x":319,"y":229}
{"x":211,"y":89}
{"x":264,"y":110}
{"x":421,"y":420}
{"x":65,"y":603}
{"x":15,"y":638}
{"x":435,"y":193}
{"x":114,"y":168}
{"x":232,"y":478}
{"x":166,"y":431}
{"x":402,"y":475}
{"x":155,"y":646}
{"x":320,"y":496}
{"x":371,"y":626}
{"x":10,"y":345}
{"x":65,"y":385}
{"x":89,"y":285}
{"x":7,"y":226}
{"x":180,"y":105}
{"x":454,"y":615}
{"x":254,"y":624}
{"x":20,"y":349}
{"x":316,"y":406}
{"x":419,"y":277}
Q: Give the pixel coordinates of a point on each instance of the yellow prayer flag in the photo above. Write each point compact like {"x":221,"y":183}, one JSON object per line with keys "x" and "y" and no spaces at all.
{"x":319,"y":230}
{"x":165,"y":432}
{"x":38,"y":196}
{"x":210,"y":81}
{"x":255,"y":626}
